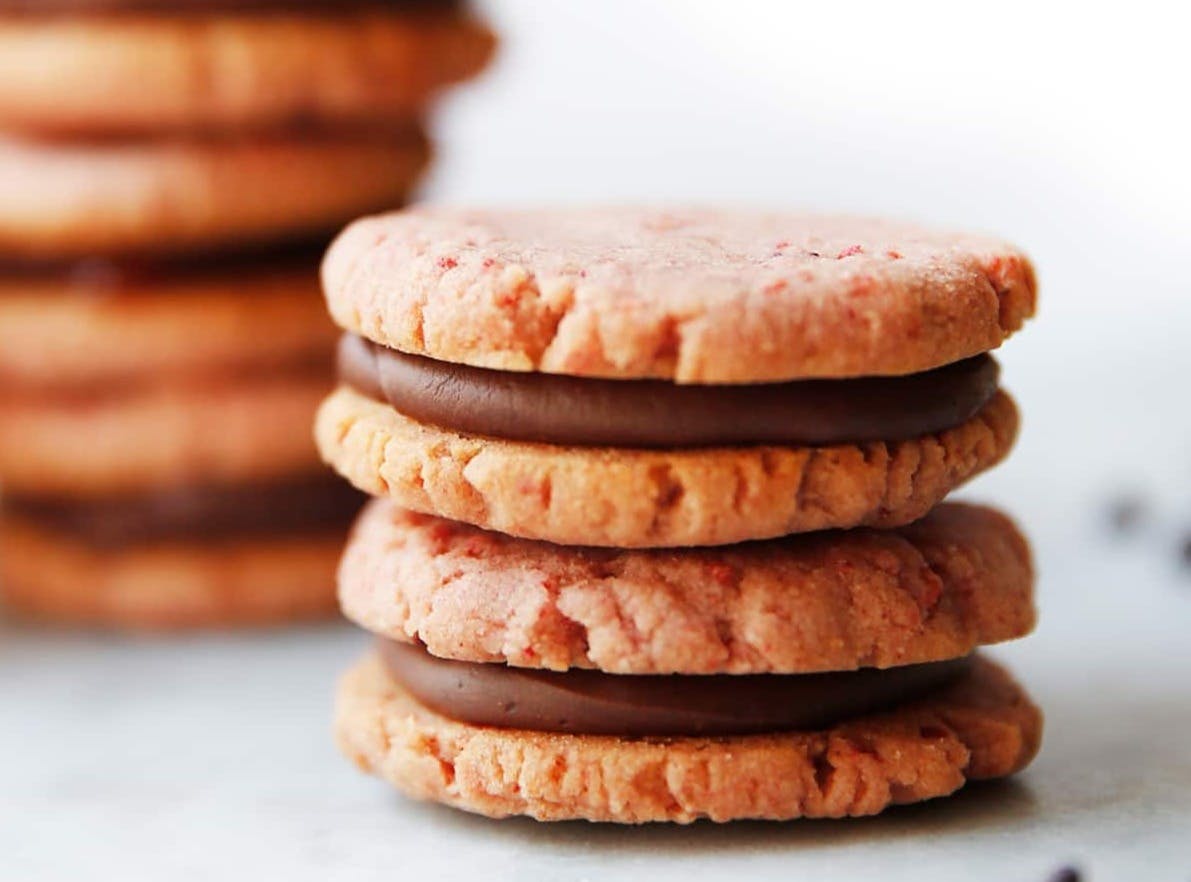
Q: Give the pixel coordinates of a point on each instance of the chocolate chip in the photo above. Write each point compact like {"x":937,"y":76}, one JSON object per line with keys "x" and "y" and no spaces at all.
{"x":1066,"y":874}
{"x":1185,"y":552}
{"x":1126,"y":512}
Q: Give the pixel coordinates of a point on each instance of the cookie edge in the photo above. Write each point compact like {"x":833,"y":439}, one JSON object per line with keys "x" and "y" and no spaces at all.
{"x":650,"y":499}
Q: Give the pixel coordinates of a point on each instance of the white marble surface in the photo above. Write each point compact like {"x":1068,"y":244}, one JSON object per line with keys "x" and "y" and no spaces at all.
{"x":209,"y":757}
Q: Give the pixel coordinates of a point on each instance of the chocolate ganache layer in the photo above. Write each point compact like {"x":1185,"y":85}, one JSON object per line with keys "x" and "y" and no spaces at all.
{"x":198,"y":513}
{"x":582,"y":411}
{"x":595,"y":703}
{"x":112,"y":274}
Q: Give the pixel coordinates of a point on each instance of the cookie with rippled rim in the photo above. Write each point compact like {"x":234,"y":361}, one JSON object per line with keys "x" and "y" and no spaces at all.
{"x":634,"y":498}
{"x":133,"y":67}
{"x":641,"y":378}
{"x":979,"y":727}
{"x":960,"y":578}
{"x":156,"y":197}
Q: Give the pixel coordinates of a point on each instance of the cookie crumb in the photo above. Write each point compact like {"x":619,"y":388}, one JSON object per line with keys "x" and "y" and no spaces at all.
{"x":1126,"y":512}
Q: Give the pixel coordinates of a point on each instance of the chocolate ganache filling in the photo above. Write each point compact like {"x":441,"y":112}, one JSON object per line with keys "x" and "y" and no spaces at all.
{"x":116,"y":272}
{"x":595,"y":703}
{"x":198,"y":513}
{"x":583,"y":411}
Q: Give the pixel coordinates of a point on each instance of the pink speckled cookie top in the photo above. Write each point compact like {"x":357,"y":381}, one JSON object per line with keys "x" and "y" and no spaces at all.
{"x":695,"y":296}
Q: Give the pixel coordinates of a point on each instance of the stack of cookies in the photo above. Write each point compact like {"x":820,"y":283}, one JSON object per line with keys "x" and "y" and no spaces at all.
{"x":172,"y":171}
{"x":659,"y":534}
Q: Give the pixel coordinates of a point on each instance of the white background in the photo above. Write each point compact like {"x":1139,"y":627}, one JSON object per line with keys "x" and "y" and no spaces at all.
{"x":1063,"y":128}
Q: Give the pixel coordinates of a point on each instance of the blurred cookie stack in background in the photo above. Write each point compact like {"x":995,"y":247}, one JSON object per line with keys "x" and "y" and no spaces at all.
{"x":171,"y":173}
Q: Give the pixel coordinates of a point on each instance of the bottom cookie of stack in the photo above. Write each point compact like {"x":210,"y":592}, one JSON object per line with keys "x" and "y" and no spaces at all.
{"x":182,"y":557}
{"x":825,"y":675}
{"x":981,"y":726}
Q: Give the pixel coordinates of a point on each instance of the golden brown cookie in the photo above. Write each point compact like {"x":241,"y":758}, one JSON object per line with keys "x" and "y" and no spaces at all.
{"x":694,"y":296}
{"x":163,"y":70}
{"x":959,"y":578}
{"x":177,"y":584}
{"x":223,"y":429}
{"x":64,"y":201}
{"x":631,"y":498}
{"x":97,"y":323}
{"x":984,"y":726}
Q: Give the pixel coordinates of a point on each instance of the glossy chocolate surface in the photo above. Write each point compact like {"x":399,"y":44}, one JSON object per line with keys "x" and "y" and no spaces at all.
{"x":595,"y":703}
{"x":581,"y":411}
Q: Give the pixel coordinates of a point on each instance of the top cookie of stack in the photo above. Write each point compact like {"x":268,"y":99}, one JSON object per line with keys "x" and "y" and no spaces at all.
{"x":788,"y":373}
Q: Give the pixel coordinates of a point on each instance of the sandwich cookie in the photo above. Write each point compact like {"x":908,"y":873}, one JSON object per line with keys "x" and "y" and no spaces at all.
{"x":155,"y":452}
{"x":637,"y":378}
{"x":137,"y":67}
{"x":121,"y":379}
{"x":812,"y":676}
{"x":160,"y":197}
{"x":980,"y":726}
{"x":173,"y":557}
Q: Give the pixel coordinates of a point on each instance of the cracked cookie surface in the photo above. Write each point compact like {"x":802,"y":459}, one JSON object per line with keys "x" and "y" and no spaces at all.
{"x":638,"y":498}
{"x":984,"y":726}
{"x":959,"y":578}
{"x":693,"y":296}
